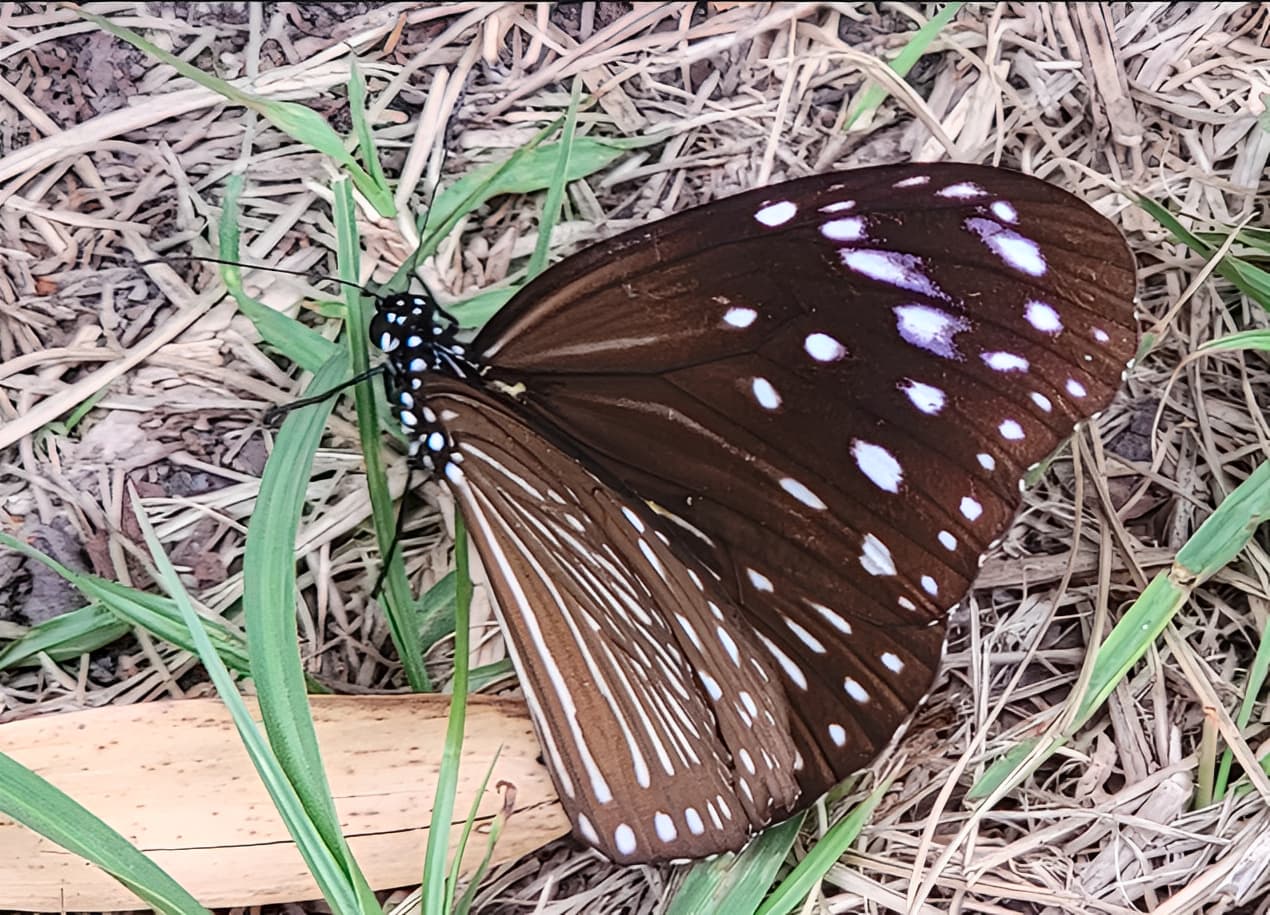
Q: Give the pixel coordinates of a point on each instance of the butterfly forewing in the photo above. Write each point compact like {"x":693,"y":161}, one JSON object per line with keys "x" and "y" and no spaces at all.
{"x":833,"y":387}
{"x":728,"y":473}
{"x":654,"y":705}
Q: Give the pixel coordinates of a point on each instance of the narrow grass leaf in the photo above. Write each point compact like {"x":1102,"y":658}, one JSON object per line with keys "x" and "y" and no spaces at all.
{"x":559,"y":180}
{"x":44,"y":808}
{"x":735,"y":884}
{"x":330,"y":870}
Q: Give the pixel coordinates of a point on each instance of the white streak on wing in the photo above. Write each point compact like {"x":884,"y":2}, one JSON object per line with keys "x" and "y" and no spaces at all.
{"x":652,"y":733}
{"x":476,"y":516}
{"x":505,"y":471}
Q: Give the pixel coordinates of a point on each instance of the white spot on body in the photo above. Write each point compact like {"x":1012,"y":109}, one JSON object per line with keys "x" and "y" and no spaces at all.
{"x":436,"y":441}
{"x":948,"y":541}
{"x":1018,"y":252}
{"x":1043,"y":316}
{"x":931,"y":329}
{"x":387,"y":342}
{"x":760,"y":581}
{"x":823,"y":348}
{"x":876,"y":558}
{"x":624,"y":839}
{"x":739,"y":317}
{"x":892,"y":268}
{"x":765,"y":394}
{"x":777,"y":214}
{"x":1010,"y":430}
{"x":1005,"y":362}
{"x":802,"y":494}
{"x":878,"y":464}
{"x":927,"y":398}
{"x":414,"y":340}
{"x":849,"y":228}
{"x":855,"y":690}
{"x":970,"y":508}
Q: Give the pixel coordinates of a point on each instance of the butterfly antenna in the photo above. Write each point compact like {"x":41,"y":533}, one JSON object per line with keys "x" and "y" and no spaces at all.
{"x":228,"y":263}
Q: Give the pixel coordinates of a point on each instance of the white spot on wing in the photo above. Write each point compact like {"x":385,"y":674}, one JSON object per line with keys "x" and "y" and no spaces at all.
{"x":1010,"y":430}
{"x":836,"y":620}
{"x":970,"y":508}
{"x":892,"y":662}
{"x":765,"y":394}
{"x":665,"y":827}
{"x":804,"y":636}
{"x":838,"y":207}
{"x":931,"y":329}
{"x":878,"y":464}
{"x":837,"y":735}
{"x":802,"y":493}
{"x":929,"y":585}
{"x":986,"y":461}
{"x":964,"y":190}
{"x":849,"y":228}
{"x":876,"y":558}
{"x":1075,"y":388}
{"x":1100,"y":335}
{"x":693,"y":819}
{"x":912,"y":182}
{"x":776,"y":214}
{"x":760,"y":581}
{"x":823,"y":348}
{"x":855,"y":690}
{"x":792,"y":670}
{"x":1018,"y":252}
{"x":1043,"y":316}
{"x":948,"y":540}
{"x":1005,"y":211}
{"x":1005,"y":362}
{"x":1042,"y":401}
{"x":739,"y":317}
{"x":927,"y":398}
{"x":624,"y":839}
{"x":892,"y":268}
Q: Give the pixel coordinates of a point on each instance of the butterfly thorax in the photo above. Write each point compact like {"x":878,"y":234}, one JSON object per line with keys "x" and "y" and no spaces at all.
{"x":419,"y":339}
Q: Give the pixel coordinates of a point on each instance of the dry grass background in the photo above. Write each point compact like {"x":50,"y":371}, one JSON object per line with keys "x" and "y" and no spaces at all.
{"x":109,"y":158}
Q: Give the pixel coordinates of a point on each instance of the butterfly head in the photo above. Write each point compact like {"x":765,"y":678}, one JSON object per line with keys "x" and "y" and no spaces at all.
{"x":419,"y":339}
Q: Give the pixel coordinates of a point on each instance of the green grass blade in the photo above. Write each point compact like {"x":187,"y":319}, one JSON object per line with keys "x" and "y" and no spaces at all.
{"x":559,"y":181}
{"x":736,"y":884}
{"x":438,"y":893}
{"x":297,"y":341}
{"x":329,"y":869}
{"x":64,"y":637}
{"x":40,"y":806}
{"x":1211,"y":548}
{"x":808,"y":873}
{"x":909,"y":55}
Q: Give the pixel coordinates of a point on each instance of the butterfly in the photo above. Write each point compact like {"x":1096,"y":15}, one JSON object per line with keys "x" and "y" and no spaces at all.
{"x":728,"y":473}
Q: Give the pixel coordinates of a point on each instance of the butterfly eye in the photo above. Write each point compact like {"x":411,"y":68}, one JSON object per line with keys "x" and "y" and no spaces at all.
{"x":726,"y":488}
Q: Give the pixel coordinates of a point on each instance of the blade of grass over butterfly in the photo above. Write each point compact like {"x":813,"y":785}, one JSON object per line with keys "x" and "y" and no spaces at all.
{"x":44,"y":808}
{"x":909,"y":55}
{"x":735,"y":884}
{"x":398,"y":606}
{"x":298,"y":122}
{"x":325,"y":852}
{"x":297,"y":341}
{"x":438,"y":891}
{"x":1211,"y":548}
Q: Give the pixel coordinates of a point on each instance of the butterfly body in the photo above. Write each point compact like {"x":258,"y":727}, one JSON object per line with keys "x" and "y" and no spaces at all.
{"x":754,"y":454}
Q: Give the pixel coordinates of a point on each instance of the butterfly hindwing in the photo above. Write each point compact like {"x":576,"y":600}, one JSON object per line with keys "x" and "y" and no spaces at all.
{"x":643,"y":681}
